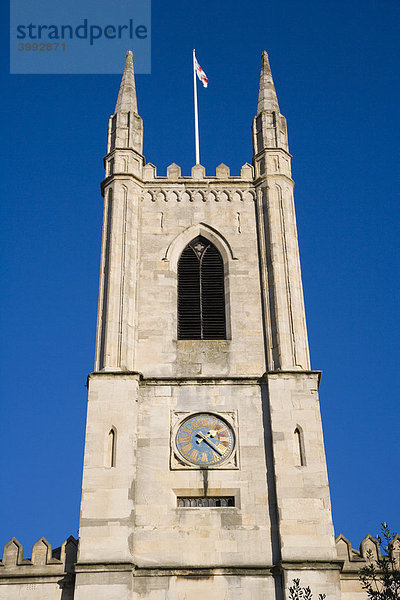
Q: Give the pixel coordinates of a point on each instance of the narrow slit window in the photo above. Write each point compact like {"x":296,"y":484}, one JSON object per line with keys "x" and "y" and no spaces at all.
{"x":201,"y":292}
{"x":300,"y":459}
{"x":111,"y":447}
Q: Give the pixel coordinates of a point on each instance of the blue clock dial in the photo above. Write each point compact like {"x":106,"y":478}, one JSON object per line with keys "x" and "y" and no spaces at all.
{"x":205,"y":439}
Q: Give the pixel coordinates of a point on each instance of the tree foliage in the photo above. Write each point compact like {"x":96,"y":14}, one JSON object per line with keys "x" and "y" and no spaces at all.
{"x":298,"y":593}
{"x":381,"y":577}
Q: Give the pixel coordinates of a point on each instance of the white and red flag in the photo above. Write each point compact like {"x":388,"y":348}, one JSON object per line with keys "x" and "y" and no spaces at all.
{"x":197,"y":70}
{"x":200,"y":73}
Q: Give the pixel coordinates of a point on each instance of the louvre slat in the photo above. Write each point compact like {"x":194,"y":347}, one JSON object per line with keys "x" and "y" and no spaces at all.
{"x":213,"y":294}
{"x":189,"y":323}
{"x":201,"y":294}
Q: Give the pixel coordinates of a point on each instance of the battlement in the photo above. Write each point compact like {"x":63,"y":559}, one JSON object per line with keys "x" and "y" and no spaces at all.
{"x":369,"y":552}
{"x":198,"y":174}
{"x":44,"y":561}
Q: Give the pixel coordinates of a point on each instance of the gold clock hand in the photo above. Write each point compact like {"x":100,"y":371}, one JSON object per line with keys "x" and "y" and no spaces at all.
{"x":209,"y":442}
{"x":213,"y":433}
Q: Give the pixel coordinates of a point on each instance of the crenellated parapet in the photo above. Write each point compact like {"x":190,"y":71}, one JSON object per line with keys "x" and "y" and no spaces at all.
{"x":198,"y":174}
{"x":121,"y":170}
{"x":198,"y":187}
{"x":369,"y":551}
{"x":44,"y":565}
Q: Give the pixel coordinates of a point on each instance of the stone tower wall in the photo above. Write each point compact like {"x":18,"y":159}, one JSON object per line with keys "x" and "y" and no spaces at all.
{"x":168,"y":213}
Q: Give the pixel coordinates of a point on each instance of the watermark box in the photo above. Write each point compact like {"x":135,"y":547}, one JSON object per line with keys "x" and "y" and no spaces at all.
{"x":79,"y":36}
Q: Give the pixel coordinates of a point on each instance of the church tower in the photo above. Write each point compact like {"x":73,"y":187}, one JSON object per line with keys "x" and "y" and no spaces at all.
{"x":204,"y":471}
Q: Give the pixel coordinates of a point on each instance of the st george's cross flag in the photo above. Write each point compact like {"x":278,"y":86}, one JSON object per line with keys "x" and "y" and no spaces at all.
{"x":200,"y":73}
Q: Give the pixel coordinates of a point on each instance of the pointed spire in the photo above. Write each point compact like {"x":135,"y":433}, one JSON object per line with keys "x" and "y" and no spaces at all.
{"x":267,"y":99}
{"x":127,"y":92}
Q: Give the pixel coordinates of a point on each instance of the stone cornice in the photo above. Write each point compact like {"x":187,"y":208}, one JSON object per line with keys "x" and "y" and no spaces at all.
{"x":320,"y":565}
{"x":171,"y":570}
{"x":293,"y":372}
{"x":170,"y":380}
{"x":208,"y":571}
{"x":193,"y":380}
{"x":120,"y":177}
{"x":262,"y":179}
{"x":204,"y":380}
{"x":272,"y":149}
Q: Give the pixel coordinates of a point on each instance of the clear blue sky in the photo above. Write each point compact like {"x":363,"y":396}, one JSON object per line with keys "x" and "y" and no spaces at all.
{"x":335,"y":65}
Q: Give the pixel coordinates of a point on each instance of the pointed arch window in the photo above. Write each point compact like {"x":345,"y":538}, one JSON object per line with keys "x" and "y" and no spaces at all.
{"x":299,"y":454}
{"x":111,"y":448}
{"x":201,"y":292}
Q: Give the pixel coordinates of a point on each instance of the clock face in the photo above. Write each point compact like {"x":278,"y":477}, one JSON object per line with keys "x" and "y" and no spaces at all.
{"x":205,"y":439}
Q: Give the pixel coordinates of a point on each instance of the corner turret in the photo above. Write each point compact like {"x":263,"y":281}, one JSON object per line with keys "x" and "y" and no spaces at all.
{"x":286,"y":330}
{"x":125,"y":129}
{"x":269,"y":126}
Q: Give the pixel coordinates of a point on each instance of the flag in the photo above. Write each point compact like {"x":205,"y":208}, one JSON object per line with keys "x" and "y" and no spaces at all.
{"x":200,"y":73}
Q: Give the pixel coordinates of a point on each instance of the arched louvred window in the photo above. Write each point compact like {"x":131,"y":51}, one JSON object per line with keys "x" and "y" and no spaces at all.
{"x":201,"y":293}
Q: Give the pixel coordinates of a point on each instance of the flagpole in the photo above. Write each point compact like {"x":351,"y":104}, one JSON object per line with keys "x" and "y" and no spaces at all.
{"x":196,"y":115}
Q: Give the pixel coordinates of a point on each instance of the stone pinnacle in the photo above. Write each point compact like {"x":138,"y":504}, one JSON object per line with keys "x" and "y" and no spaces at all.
{"x":127,"y":92}
{"x":267,"y":99}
